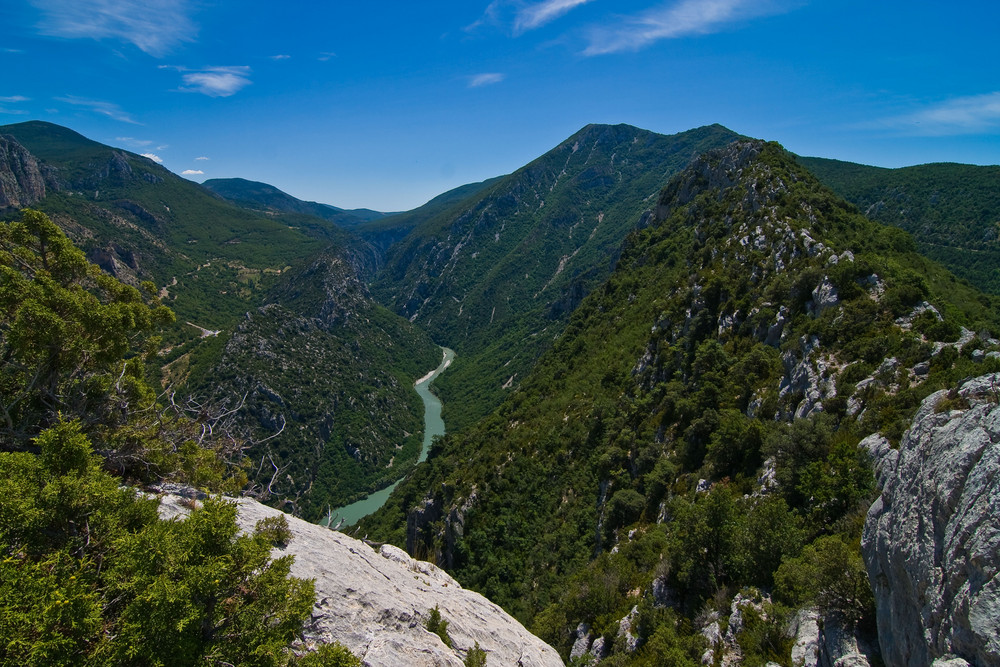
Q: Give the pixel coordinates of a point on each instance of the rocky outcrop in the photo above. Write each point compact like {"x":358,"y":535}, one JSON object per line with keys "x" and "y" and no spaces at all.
{"x":377,"y":602}
{"x":21,"y":180}
{"x":931,"y":541}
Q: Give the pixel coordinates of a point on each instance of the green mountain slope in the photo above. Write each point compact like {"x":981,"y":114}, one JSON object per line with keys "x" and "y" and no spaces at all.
{"x":694,"y":430}
{"x":271,"y":313}
{"x":384,"y":232}
{"x":952,"y":210}
{"x":269,"y":199}
{"x":139,"y":221}
{"x":325,"y":377}
{"x":496,"y":276}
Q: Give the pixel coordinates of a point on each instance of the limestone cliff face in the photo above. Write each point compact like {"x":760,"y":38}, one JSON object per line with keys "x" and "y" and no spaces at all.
{"x":21,"y":180}
{"x":377,"y":602}
{"x":931,"y":541}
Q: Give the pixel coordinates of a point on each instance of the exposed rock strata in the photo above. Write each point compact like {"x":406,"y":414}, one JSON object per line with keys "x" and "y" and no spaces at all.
{"x":377,"y":602}
{"x":931,"y":541}
{"x":21,"y":180}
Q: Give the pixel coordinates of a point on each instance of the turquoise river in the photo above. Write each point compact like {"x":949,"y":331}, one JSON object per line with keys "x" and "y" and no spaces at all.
{"x":433,"y":426}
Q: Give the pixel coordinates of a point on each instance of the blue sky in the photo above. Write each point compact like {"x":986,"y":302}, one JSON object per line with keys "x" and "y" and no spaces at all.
{"x":386,"y":104}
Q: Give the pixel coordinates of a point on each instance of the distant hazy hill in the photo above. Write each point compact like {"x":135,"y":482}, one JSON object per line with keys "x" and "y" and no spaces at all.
{"x":691,"y":439}
{"x":495,"y":275}
{"x":952,"y":210}
{"x":268,"y":198}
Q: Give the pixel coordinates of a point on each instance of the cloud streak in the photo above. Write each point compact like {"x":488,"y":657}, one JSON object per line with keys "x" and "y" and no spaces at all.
{"x":108,"y":109}
{"x":974,"y":114}
{"x":675,"y":20}
{"x":540,"y":13}
{"x":14,"y":99}
{"x":213,"y":81}
{"x":192,"y":172}
{"x":486,"y":79}
{"x":155,"y":158}
{"x":154,"y":26}
{"x":133,"y":142}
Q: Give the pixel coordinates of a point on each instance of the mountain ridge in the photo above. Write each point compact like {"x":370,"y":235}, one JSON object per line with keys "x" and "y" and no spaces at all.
{"x":756,"y":318}
{"x":255,"y":193}
{"x":496,"y":275}
{"x":952,"y":209}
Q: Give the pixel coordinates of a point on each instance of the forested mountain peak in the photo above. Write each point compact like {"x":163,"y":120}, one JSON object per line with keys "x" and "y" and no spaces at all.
{"x":692,"y":435}
{"x":497,"y":275}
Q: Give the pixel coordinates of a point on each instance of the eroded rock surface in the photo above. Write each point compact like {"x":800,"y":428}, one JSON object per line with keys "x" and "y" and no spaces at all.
{"x":377,"y":602}
{"x":932,"y":541}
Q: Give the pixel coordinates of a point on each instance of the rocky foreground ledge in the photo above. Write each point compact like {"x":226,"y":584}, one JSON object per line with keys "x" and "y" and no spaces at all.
{"x":932,"y":540}
{"x":376,"y":603}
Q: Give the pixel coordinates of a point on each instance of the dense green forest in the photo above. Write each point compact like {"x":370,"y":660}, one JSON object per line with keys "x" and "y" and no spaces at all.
{"x":950,"y":209}
{"x":758,"y":330}
{"x":89,"y":573}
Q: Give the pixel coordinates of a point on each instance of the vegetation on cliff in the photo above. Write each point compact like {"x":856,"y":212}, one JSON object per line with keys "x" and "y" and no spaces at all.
{"x":950,"y":209}
{"x":693,"y":433}
{"x":89,"y":573}
{"x":497,"y":275}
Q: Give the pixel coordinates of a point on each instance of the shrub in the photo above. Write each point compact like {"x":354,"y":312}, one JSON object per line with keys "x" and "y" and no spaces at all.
{"x":438,"y":626}
{"x":476,"y":657}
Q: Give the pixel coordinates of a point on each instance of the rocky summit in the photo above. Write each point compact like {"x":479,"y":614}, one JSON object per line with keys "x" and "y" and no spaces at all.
{"x":931,"y":541}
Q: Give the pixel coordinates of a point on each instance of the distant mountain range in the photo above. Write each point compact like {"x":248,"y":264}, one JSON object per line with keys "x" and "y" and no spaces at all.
{"x":268,"y":198}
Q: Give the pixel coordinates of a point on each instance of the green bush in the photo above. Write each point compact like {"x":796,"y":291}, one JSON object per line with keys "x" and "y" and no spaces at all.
{"x":476,"y":657}
{"x":90,"y":574}
{"x":438,"y":626}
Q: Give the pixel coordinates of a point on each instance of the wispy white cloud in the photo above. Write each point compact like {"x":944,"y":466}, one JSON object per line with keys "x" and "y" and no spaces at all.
{"x":538,"y":14}
{"x":203,"y":158}
{"x":213,"y":81}
{"x":521,"y":16}
{"x":13,"y":99}
{"x":681,"y":18}
{"x":97,"y":106}
{"x":155,"y":158}
{"x":486,"y":79}
{"x":133,"y":142}
{"x":192,"y":172}
{"x":11,"y":51}
{"x":281,"y":56}
{"x":155,"y":26}
{"x":326,"y":55}
{"x":973,"y":114}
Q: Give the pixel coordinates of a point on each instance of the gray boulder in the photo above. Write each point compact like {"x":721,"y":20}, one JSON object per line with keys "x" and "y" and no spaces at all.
{"x":931,"y":542}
